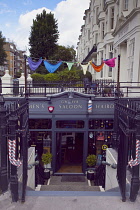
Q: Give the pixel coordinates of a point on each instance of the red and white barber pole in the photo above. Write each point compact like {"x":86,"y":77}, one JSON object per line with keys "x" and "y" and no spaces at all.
{"x":89,"y":106}
{"x":12,"y":153}
{"x":137,"y":159}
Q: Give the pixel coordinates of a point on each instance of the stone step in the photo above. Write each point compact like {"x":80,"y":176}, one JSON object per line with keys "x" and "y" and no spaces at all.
{"x":69,"y":188}
{"x":56,"y":180}
{"x":73,"y":193}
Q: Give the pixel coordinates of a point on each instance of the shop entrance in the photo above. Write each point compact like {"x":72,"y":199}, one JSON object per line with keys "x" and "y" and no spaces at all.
{"x":69,"y":152}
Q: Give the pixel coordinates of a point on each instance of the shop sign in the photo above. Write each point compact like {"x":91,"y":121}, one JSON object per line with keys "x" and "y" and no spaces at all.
{"x":104,"y":147}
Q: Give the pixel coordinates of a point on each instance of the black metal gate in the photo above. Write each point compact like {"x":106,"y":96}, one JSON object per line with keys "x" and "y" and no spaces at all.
{"x":127,"y":129}
{"x":13,"y":147}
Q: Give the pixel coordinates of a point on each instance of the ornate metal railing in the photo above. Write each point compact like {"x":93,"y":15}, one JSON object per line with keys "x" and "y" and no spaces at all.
{"x":127,"y":129}
{"x":13,"y":146}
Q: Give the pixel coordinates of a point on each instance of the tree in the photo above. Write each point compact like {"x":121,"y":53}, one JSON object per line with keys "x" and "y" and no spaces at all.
{"x":2,"y":51}
{"x":64,"y":53}
{"x":44,"y":36}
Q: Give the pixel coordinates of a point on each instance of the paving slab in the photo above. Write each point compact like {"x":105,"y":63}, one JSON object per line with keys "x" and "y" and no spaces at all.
{"x":69,"y":203}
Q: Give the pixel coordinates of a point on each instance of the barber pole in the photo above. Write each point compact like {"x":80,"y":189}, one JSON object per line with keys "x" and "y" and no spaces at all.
{"x":12,"y":153}
{"x":137,"y":159}
{"x":89,"y":106}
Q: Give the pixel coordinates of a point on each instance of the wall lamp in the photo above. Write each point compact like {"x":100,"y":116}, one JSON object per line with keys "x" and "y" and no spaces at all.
{"x":70,"y":95}
{"x":114,"y":165}
{"x":49,"y":100}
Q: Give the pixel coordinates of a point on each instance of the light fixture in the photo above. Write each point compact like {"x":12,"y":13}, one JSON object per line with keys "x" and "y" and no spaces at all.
{"x":48,"y":138}
{"x":90,"y":135}
{"x":70,"y":95}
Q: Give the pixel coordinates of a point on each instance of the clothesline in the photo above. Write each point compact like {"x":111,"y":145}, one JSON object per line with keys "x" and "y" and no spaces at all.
{"x":53,"y":60}
{"x":53,"y":67}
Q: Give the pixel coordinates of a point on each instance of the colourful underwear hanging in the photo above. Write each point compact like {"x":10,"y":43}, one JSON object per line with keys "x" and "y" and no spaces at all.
{"x":84,"y":67}
{"x":97,"y":68}
{"x":52,"y":67}
{"x":110,"y":62}
{"x":69,"y":64}
{"x":34,"y":65}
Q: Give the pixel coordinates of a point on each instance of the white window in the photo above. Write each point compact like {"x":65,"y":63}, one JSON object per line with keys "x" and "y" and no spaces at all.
{"x":110,"y":56}
{"x":131,"y":72}
{"x":131,"y":58}
{"x":125,"y":4}
{"x":110,"y":68}
{"x":103,"y":30}
{"x":101,"y":61}
{"x":96,"y":38}
{"x":88,"y":34}
{"x":112,"y":17}
{"x":104,"y":2}
{"x":97,"y":12}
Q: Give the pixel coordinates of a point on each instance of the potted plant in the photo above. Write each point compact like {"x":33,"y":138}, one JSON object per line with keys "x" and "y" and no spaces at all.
{"x":91,"y":162}
{"x":47,"y":159}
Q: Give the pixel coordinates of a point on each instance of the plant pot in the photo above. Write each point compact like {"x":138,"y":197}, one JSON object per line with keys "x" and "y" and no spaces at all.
{"x":47,"y":165}
{"x":46,"y":173}
{"x":90,"y":175}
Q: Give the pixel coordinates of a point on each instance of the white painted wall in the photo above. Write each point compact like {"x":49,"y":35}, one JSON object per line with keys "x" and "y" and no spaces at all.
{"x":111,"y":180}
{"x":125,"y":30}
{"x":7,"y":81}
{"x":31,"y":172}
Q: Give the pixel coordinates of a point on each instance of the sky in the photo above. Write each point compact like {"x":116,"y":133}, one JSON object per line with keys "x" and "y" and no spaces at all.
{"x":16,"y":18}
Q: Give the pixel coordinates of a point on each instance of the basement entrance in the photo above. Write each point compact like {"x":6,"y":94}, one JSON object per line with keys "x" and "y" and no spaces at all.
{"x":69,"y":152}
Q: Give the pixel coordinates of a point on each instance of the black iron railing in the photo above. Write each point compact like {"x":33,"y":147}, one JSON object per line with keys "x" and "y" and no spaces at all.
{"x":127,"y":129}
{"x":100,"y":88}
{"x":13,"y":127}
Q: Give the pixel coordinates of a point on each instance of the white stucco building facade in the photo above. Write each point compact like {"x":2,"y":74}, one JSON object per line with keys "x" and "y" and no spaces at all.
{"x":112,"y":29}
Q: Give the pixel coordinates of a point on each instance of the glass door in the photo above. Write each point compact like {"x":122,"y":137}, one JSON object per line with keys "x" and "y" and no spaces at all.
{"x":69,"y":152}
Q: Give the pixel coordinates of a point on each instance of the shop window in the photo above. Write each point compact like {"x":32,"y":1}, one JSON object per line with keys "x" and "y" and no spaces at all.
{"x":97,"y":141}
{"x":69,"y":124}
{"x":101,"y":124}
{"x":40,"y":123}
{"x":41,"y":140}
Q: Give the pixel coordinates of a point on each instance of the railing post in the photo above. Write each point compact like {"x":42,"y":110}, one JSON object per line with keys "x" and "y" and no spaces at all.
{"x":13,"y":174}
{"x":135,"y":170}
{"x":3,"y":148}
{"x":25,"y":136}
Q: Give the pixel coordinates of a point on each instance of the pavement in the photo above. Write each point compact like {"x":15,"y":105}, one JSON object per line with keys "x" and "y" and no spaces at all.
{"x":68,"y":201}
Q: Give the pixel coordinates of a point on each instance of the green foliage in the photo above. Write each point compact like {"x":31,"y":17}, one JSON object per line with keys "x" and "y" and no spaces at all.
{"x":51,"y":77}
{"x":64,"y":53}
{"x":88,"y":75}
{"x":18,"y":74}
{"x":64,"y":76}
{"x":41,"y":70}
{"x":43,"y":36}
{"x":91,"y":160}
{"x":2,"y":51}
{"x":47,"y":158}
{"x":38,"y":78}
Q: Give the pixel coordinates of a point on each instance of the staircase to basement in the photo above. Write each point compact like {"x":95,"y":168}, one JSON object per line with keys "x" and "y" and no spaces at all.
{"x":68,"y":183}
